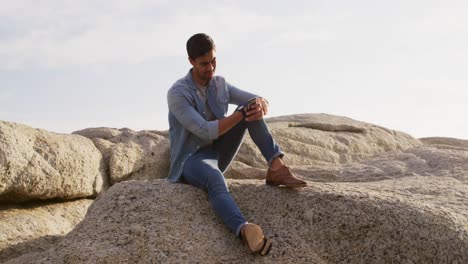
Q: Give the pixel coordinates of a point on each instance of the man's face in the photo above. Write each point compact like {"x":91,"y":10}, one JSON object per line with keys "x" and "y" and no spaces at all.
{"x":204,"y":66}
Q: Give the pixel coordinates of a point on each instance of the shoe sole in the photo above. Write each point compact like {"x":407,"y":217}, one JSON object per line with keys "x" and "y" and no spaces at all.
{"x":266,"y":247}
{"x":255,"y":233}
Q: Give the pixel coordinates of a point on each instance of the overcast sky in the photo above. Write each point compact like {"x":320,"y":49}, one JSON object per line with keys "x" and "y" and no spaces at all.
{"x":67,"y":65}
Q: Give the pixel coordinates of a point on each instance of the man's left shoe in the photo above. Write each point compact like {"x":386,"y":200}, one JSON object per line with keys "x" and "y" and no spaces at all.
{"x":283,"y":176}
{"x":254,"y":239}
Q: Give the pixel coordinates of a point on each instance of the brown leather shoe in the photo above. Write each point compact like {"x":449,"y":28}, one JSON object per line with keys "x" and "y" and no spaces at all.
{"x":256,"y":242}
{"x":283,"y":176}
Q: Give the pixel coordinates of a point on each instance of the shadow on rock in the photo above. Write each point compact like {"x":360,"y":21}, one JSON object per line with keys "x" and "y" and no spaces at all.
{"x":37,"y":245}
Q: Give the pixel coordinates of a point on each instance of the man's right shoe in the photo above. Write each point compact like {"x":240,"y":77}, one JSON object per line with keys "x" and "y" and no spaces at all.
{"x":283,"y":176}
{"x":253,"y":237}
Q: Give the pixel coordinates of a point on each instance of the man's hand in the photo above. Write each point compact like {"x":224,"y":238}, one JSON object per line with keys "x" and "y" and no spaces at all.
{"x":258,"y":110}
{"x":264,"y":103}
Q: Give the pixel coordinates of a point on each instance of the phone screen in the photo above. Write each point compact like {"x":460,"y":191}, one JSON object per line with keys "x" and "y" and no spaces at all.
{"x":251,"y":102}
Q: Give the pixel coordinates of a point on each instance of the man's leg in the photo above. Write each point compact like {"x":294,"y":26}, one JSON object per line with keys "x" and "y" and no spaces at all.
{"x":201,"y":170}
{"x":228,"y":145}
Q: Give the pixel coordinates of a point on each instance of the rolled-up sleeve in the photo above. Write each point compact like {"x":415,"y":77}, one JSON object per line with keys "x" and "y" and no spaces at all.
{"x":238,"y":96}
{"x":183,"y":110}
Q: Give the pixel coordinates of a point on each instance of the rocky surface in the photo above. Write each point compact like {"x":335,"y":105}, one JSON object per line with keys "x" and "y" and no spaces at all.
{"x":131,"y":155}
{"x":375,"y":195}
{"x":307,"y":139}
{"x":320,"y":141}
{"x":160,"y":222}
{"x":36,"y":164}
{"x":443,"y":142}
{"x":37,"y":226}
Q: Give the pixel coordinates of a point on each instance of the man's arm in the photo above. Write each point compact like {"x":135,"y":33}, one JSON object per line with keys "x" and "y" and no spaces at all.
{"x":181,"y":107}
{"x":238,"y":96}
{"x":193,"y":121}
{"x":225,"y":124}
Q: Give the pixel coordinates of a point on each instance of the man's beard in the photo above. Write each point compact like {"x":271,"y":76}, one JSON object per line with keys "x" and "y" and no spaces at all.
{"x":207,"y":76}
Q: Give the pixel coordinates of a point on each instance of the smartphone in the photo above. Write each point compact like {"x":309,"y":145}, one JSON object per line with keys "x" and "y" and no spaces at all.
{"x":251,"y":102}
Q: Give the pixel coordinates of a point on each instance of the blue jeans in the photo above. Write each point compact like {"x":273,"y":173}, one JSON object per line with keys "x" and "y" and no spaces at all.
{"x":205,"y":168}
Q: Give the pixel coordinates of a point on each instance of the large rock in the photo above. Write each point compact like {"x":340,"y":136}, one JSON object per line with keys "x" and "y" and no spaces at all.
{"x":395,"y":221}
{"x":419,"y":161}
{"x":443,"y":142}
{"x":307,"y":139}
{"x":36,"y":164}
{"x":320,"y":140}
{"x":36,"y":227}
{"x":375,"y":196}
{"x":131,"y":155}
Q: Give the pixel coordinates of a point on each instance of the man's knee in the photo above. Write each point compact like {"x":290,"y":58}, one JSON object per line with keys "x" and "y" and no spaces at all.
{"x":216,"y":183}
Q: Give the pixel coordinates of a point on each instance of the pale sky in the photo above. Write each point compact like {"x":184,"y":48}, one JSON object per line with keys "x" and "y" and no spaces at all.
{"x":68,"y":65}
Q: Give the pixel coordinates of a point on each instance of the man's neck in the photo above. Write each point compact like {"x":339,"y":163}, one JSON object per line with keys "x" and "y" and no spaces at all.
{"x":200,"y":82}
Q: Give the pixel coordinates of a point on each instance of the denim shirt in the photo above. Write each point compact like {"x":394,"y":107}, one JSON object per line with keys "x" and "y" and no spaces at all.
{"x":188,"y":127}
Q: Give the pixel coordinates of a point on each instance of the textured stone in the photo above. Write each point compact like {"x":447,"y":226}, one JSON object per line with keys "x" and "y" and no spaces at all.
{"x":36,"y":164}
{"x":374,"y":195}
{"x":419,"y":161}
{"x":307,"y":139}
{"x":443,"y":142}
{"x":160,"y":222}
{"x":131,"y":155}
{"x":99,"y":132}
{"x":36,"y":227}
{"x":315,"y":140}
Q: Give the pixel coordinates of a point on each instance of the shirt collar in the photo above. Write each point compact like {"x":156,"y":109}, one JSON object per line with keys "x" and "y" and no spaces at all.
{"x":191,"y":82}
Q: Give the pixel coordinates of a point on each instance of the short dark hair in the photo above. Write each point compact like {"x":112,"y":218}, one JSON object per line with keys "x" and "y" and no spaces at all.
{"x":199,"y":44}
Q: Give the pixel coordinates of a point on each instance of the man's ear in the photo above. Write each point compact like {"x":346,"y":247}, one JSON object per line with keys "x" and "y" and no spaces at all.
{"x":191,"y":61}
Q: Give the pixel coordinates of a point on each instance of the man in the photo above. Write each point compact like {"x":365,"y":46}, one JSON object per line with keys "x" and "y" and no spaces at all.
{"x":204,"y":139}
